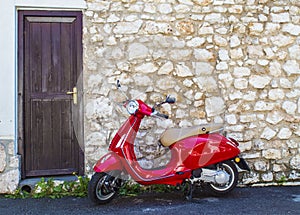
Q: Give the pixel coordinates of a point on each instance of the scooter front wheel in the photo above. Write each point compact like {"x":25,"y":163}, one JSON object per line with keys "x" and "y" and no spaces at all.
{"x":103,"y":187}
{"x":224,"y":188}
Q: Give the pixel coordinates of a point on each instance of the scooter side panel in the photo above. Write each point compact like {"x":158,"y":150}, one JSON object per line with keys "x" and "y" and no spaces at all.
{"x":108,"y":162}
{"x":205,"y":150}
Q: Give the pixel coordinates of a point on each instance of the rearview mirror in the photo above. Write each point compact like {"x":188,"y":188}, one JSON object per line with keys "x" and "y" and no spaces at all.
{"x":170,"y":100}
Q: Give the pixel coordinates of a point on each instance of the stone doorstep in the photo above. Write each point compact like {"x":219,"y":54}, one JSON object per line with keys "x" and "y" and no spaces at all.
{"x":29,"y":184}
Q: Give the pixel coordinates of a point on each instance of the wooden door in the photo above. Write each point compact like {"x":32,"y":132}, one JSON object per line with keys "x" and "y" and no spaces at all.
{"x":50,"y":63}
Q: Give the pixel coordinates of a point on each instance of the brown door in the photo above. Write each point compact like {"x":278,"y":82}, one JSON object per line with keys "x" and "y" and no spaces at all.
{"x":49,"y":64}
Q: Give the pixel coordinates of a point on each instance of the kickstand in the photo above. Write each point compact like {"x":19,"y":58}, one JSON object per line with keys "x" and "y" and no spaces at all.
{"x":189,"y":193}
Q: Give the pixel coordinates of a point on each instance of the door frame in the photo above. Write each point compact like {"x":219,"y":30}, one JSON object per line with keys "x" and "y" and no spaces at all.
{"x":20,"y":14}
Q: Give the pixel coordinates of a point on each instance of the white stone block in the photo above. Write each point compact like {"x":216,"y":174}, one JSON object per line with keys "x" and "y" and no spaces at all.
{"x":180,"y":114}
{"x":250,"y":96}
{"x":297,"y":83}
{"x":291,"y":67}
{"x":275,"y":117}
{"x":267,"y":177}
{"x":196,"y":42}
{"x":142,"y":80}
{"x":236,"y":95}
{"x":295,"y":162}
{"x":252,"y":155}
{"x":128,"y":27}
{"x":2,"y":158}
{"x":188,"y":83}
{"x":285,"y":83}
{"x":222,"y":66}
{"x":272,"y":27}
{"x":166,"y":69}
{"x":214,"y":106}
{"x":113,"y":18}
{"x":203,"y":2}
{"x":263,"y":106}
{"x":284,"y":134}
{"x":220,"y":41}
{"x":231,"y":119}
{"x":206,"y":83}
{"x":203,"y":68}
{"x":240,"y":72}
{"x":183,"y":71}
{"x":280,"y":17}
{"x":137,"y":51}
{"x":203,"y":55}
{"x":261,"y":166}
{"x":9,"y":181}
{"x":223,"y":55}
{"x":226,"y":78}
{"x":245,"y":146}
{"x":99,"y":108}
{"x":268,"y":133}
{"x":204,"y":30}
{"x":255,"y":51}
{"x":182,"y":9}
{"x":248,"y":118}
{"x":272,"y":154}
{"x":269,"y":53}
{"x":146,"y":68}
{"x":241,"y":83}
{"x":294,"y":52}
{"x":289,"y":107}
{"x":262,"y":62}
{"x":262,"y":18}
{"x":256,"y":28}
{"x":234,"y":41}
{"x":150,"y":8}
{"x":213,"y":18}
{"x":165,"y":83}
{"x":276,"y":94}
{"x":291,"y":29}
{"x":281,"y":40}
{"x":165,"y":8}
{"x":275,"y":68}
{"x":258,"y":81}
{"x":277,"y":168}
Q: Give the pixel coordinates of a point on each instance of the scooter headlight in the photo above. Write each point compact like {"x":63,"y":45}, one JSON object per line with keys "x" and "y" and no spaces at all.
{"x":132,"y":106}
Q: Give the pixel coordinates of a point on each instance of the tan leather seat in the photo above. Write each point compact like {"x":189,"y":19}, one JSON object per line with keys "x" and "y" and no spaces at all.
{"x":172,"y":135}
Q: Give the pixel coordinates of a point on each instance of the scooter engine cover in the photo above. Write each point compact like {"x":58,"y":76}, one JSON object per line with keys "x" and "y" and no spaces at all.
{"x":222,"y":177}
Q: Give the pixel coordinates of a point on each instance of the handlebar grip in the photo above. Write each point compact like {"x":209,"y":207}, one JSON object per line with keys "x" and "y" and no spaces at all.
{"x":162,"y":115}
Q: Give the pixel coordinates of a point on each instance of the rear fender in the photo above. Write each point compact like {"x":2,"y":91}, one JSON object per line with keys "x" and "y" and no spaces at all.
{"x":108,"y":162}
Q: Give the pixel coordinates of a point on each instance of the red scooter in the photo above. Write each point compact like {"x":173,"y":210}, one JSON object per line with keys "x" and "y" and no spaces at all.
{"x":200,"y":155}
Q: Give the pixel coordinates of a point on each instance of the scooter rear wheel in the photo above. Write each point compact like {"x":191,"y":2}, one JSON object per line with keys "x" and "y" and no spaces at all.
{"x":103,"y":187}
{"x":222,"y":189}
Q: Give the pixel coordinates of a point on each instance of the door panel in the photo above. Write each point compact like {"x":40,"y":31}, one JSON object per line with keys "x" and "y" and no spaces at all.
{"x":50,"y":63}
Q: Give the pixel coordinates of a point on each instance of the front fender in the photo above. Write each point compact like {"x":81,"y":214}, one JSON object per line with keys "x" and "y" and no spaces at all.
{"x":108,"y":162}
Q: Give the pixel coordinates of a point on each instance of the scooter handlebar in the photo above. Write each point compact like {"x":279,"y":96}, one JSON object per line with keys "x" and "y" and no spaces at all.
{"x":155,"y":113}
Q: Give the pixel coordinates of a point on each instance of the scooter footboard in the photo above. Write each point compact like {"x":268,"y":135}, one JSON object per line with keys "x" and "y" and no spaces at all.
{"x":108,"y":162}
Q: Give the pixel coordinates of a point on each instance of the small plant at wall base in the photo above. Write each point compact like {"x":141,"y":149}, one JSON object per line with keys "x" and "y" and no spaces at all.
{"x":55,"y":189}
{"x":282,"y":180}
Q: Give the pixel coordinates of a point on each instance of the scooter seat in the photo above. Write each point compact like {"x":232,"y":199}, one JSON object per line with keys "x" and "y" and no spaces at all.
{"x":172,"y":135}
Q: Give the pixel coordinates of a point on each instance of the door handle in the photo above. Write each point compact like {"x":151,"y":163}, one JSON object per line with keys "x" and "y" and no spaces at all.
{"x":74,"y":93}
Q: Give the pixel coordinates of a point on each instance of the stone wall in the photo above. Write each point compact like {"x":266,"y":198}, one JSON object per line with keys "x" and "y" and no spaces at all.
{"x":227,"y":61}
{"x":9,"y":167}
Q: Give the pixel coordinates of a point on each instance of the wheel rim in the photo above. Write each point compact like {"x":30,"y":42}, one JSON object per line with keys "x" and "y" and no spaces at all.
{"x":228,"y":185}
{"x":104,"y":189}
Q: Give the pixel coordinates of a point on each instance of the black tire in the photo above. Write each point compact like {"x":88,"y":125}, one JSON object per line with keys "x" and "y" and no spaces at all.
{"x":103,"y":187}
{"x":223,"y":189}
